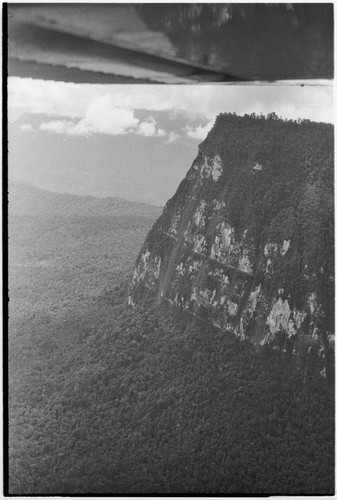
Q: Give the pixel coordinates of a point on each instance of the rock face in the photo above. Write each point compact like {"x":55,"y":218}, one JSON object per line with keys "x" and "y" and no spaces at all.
{"x":247,"y":241}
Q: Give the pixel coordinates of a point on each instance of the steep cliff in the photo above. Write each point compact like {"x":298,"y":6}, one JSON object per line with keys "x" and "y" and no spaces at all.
{"x":247,"y":241}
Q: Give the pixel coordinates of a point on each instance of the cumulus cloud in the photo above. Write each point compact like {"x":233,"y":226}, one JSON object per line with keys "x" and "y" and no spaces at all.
{"x":102,"y":117}
{"x":57,"y":126}
{"x":110,"y":109}
{"x":26,"y":127}
{"x":49,"y":97}
{"x":200,"y":132}
{"x":172,"y":137}
{"x":149,"y":129}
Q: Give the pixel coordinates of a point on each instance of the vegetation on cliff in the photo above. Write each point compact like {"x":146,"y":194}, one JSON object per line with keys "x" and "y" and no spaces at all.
{"x":256,"y":212}
{"x":104,"y":399}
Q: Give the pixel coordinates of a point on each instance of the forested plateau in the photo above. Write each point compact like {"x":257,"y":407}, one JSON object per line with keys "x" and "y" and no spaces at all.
{"x":247,"y":241}
{"x":115,"y":391}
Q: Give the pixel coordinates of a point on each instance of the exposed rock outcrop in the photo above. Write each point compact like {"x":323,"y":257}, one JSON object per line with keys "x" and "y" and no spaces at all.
{"x":247,"y":241}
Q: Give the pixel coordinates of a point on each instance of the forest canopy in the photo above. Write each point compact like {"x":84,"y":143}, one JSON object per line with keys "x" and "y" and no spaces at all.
{"x":106,"y":399}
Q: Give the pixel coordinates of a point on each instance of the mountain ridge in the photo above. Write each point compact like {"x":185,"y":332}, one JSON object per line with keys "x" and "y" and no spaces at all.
{"x":246,"y":242}
{"x":25,"y":197}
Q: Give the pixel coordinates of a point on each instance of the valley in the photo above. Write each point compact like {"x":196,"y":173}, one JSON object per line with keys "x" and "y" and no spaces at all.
{"x":110,"y":399}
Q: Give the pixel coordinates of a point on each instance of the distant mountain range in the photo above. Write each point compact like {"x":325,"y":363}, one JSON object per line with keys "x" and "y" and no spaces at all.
{"x":27,"y":199}
{"x":130,"y":166}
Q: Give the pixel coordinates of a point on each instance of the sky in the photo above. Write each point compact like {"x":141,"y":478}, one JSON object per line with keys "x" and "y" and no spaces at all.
{"x":133,"y":141}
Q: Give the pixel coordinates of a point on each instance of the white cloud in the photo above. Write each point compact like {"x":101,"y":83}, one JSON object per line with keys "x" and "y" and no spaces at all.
{"x":49,"y":97}
{"x":58,"y":126}
{"x":149,"y":128}
{"x":103,"y":118}
{"x":172,"y":137}
{"x":110,"y":109}
{"x":26,"y":127}
{"x":200,"y":132}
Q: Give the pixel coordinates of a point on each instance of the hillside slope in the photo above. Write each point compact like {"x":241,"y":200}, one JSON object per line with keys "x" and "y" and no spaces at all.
{"x":247,"y":241}
{"x":106,"y":399}
{"x":25,"y":198}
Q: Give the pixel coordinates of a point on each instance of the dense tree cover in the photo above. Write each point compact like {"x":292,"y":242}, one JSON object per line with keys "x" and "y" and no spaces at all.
{"x":108,"y":399}
{"x":265,"y":220}
{"x":290,"y":198}
{"x":65,"y":256}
